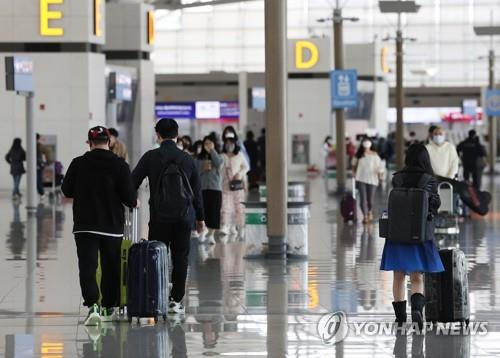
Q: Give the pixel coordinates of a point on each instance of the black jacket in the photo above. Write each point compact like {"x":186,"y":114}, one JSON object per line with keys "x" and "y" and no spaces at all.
{"x":16,"y":158}
{"x":410,"y":178}
{"x":470,"y":150}
{"x":152,"y":163}
{"x":100,"y":184}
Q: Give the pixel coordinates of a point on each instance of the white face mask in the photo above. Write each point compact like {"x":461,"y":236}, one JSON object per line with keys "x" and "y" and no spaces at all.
{"x":230,"y":147}
{"x":367,"y":144}
{"x":438,"y":139}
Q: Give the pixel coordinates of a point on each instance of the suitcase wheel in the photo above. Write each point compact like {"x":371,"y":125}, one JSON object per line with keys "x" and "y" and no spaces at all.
{"x":164,"y":318}
{"x":129,"y":319}
{"x":156,"y":319}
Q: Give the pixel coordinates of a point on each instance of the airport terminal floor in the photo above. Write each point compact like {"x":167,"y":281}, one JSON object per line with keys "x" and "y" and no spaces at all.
{"x":238,"y":307}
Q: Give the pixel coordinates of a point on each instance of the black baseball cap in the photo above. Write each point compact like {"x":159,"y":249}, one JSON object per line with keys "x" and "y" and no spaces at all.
{"x":98,"y":133}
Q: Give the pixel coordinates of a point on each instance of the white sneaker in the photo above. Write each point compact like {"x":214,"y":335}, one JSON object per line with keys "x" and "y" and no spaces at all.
{"x":109,"y":315}
{"x":93,"y":318}
{"x":202,"y":238}
{"x":210,"y":239}
{"x":195,"y":234}
{"x":176,"y":308}
{"x":224,"y":230}
{"x":233,"y":230}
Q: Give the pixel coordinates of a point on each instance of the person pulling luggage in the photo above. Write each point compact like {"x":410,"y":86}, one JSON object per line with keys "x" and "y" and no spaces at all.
{"x":175,"y":202}
{"x":100,"y":184}
{"x":473,"y":155}
{"x":413,"y":259}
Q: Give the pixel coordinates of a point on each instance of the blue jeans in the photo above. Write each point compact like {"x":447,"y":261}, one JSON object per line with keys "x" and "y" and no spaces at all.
{"x":17,"y":181}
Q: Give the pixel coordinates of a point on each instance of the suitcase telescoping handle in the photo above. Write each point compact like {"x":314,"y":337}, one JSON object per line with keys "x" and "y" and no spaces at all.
{"x":131,"y":225}
{"x":135,"y":225}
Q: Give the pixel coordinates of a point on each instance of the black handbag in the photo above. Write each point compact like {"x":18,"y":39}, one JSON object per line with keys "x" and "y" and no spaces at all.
{"x":235,"y":185}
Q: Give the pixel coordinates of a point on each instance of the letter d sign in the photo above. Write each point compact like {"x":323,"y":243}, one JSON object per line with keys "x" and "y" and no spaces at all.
{"x":301,"y":47}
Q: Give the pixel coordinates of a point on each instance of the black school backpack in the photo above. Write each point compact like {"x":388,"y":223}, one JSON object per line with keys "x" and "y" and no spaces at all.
{"x":408,"y":212}
{"x":173,"y":194}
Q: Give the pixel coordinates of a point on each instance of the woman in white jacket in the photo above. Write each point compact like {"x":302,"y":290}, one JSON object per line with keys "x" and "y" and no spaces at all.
{"x":443,"y":154}
{"x":233,"y":188}
{"x":368,"y":168}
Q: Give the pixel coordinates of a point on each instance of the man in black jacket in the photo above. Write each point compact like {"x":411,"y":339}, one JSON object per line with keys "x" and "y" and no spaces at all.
{"x":100,"y":184}
{"x":176,"y":234}
{"x":472,"y":154}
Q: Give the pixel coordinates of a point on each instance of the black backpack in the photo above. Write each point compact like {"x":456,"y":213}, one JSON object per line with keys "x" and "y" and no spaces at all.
{"x":173,"y":194}
{"x":409,"y":221}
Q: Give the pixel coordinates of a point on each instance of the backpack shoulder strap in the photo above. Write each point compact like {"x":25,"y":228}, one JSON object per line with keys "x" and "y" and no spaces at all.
{"x":424,"y":180}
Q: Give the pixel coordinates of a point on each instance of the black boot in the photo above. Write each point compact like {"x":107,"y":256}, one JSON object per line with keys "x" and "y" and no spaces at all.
{"x":417,"y":307}
{"x":400,"y":311}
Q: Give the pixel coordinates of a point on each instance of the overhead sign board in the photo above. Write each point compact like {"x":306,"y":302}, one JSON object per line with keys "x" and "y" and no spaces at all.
{"x":208,"y":110}
{"x":344,"y":88}
{"x":19,"y":73}
{"x":492,"y":102}
{"x":177,"y":110}
{"x":229,"y":110}
{"x":309,"y":55}
{"x":120,"y":87}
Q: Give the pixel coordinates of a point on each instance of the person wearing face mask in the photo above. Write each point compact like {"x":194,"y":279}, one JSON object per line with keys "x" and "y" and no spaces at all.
{"x":210,"y":164}
{"x":230,"y":132}
{"x":368,"y":169}
{"x":443,"y":154}
{"x":233,"y":188}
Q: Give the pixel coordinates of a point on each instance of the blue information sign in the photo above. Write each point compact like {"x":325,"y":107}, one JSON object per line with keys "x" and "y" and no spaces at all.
{"x":344,"y":87}
{"x":492,"y":103}
{"x":178,"y":110}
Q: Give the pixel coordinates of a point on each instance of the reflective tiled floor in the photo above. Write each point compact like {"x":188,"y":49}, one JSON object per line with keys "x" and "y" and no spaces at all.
{"x":236,"y":307}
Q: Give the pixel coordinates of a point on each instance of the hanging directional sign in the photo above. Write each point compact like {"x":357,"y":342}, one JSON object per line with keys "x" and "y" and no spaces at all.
{"x":492,"y":103}
{"x":19,"y":73}
{"x":344,"y":86}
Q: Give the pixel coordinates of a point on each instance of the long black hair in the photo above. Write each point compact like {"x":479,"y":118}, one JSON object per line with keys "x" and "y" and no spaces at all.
{"x":417,"y":157}
{"x":204,"y":154}
{"x":360,"y":153}
{"x":16,"y":144}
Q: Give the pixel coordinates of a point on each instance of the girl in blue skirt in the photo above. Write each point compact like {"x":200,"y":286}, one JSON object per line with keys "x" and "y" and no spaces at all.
{"x":413,"y":259}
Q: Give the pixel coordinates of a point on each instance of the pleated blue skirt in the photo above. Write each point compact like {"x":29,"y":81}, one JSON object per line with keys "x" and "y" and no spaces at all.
{"x":411,"y":257}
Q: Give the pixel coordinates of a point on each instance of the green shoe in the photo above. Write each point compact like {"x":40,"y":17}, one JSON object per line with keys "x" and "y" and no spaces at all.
{"x":93,"y":318}
{"x":108,"y":314}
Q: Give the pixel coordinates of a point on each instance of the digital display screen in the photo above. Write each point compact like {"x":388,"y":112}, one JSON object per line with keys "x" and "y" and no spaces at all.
{"x":180,"y":110}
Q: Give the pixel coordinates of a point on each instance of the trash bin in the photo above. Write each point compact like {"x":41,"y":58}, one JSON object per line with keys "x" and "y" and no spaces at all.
{"x":296,"y":191}
{"x":256,"y":229}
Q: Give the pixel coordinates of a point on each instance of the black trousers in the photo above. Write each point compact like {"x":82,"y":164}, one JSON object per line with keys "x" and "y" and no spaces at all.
{"x":88,"y":246}
{"x":212,"y":203}
{"x":177,"y":237}
{"x":39,"y":182}
{"x":476,"y":176}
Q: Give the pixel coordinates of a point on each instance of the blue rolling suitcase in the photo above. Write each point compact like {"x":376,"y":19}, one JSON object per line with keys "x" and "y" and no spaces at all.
{"x":147,"y":280}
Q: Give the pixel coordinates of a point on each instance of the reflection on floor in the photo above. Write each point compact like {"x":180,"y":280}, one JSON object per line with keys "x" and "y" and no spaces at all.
{"x":236,"y":306}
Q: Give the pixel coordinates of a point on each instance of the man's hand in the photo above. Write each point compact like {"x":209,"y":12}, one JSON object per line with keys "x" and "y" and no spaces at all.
{"x":200,"y":227}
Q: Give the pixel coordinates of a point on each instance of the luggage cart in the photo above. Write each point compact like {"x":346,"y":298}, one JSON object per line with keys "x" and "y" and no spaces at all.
{"x":52,"y":180}
{"x":446,"y":223}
